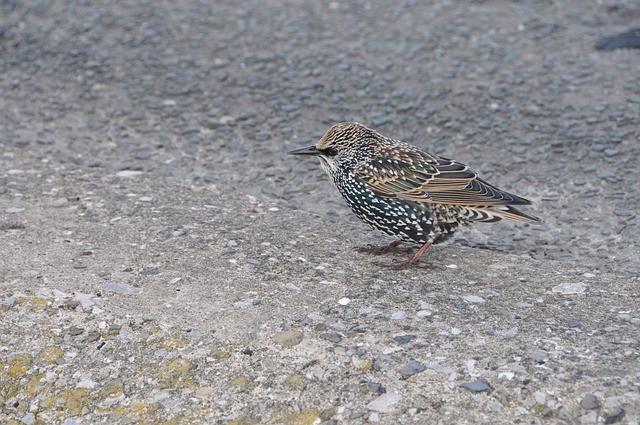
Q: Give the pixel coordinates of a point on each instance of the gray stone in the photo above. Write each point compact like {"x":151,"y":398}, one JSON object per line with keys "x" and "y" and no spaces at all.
{"x":121,"y":288}
{"x":615,"y":416}
{"x":590,"y":402}
{"x":477,"y":386}
{"x":411,"y":368}
{"x":288,"y":338}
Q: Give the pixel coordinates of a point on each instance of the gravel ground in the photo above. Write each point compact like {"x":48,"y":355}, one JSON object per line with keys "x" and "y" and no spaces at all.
{"x":140,"y":284}
{"x":143,"y":300}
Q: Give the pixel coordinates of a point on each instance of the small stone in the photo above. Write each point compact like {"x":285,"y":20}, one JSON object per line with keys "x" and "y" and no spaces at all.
{"x":344,"y":301}
{"x":59,"y":202}
{"x":75,"y":331}
{"x":477,"y":386}
{"x":28,"y":419}
{"x":474,"y":299}
{"x":398,"y":315}
{"x":375,"y":387}
{"x":92,"y":336}
{"x":411,"y":368}
{"x":331,"y":337}
{"x":150,"y":269}
{"x":615,"y":416}
{"x":538,"y":356}
{"x":121,"y":288}
{"x":128,"y":173}
{"x":570,"y":288}
{"x":14,"y":210}
{"x":289,"y":338}
{"x":403,"y":339}
{"x":384,"y":403}
{"x":590,"y":402}
{"x":589,"y":418}
{"x":86,"y":383}
{"x":564,"y":414}
{"x":204,"y":391}
{"x":293,"y":288}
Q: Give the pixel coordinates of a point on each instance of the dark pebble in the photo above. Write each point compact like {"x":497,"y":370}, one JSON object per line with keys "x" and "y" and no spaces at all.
{"x":615,"y":416}
{"x":403,"y":339}
{"x":590,"y":402}
{"x":478,"y":386}
{"x":74,"y":331}
{"x":411,"y":368}
{"x":374,"y":387}
{"x":93,"y":336}
{"x":331,"y":337}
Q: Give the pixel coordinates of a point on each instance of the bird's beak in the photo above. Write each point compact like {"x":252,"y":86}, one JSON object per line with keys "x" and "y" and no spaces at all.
{"x":309,"y":150}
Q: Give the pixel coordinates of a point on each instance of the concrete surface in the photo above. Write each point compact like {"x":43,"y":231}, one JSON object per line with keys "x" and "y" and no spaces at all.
{"x":162,"y":261}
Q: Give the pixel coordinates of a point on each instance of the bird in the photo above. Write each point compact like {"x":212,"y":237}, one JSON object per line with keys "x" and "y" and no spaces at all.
{"x":407,"y":193}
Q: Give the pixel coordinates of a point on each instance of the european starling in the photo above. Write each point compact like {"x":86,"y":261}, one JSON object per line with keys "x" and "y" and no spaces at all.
{"x":406,"y":192}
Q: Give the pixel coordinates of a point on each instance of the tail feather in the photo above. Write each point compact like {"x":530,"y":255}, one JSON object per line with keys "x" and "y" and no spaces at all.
{"x":497,"y":213}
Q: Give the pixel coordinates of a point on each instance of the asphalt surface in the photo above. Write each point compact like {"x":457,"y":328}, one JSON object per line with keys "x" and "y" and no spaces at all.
{"x":132,"y":133}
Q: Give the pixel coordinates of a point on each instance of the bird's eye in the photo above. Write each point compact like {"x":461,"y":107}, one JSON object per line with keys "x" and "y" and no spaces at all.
{"x":329,"y":151}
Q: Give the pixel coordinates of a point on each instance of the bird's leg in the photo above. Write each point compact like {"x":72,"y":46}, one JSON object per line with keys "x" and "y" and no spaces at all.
{"x":392,"y":247}
{"x":415,"y":258}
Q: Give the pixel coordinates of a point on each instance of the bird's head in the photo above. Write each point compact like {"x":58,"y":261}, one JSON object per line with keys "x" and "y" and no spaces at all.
{"x":341,"y":146}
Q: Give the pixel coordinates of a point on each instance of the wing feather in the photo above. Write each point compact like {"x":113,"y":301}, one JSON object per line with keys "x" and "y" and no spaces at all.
{"x":417,"y":176}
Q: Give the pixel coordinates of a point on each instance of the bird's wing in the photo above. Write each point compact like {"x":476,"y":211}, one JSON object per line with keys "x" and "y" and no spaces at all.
{"x":414,"y":175}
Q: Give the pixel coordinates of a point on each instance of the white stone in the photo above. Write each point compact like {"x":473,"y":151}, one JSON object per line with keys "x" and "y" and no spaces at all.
{"x":128,"y":173}
{"x":570,"y":288}
{"x":473,"y":299}
{"x":384,"y":403}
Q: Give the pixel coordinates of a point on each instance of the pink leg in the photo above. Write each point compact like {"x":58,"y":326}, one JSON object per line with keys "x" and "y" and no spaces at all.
{"x":415,"y":258}
{"x":392,"y":247}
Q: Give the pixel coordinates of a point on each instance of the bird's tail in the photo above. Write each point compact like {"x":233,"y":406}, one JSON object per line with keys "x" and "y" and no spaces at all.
{"x":498,"y":212}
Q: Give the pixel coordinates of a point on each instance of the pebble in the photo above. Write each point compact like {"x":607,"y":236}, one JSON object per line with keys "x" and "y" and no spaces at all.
{"x":121,"y":288}
{"x":589,"y":418}
{"x":398,"y":315}
{"x":86,"y":383}
{"x":344,"y":301}
{"x":403,"y":339}
{"x":204,"y":391}
{"x":85,"y":300}
{"x":331,"y":337}
{"x":477,"y":386}
{"x":288,"y":338}
{"x":28,"y":419}
{"x":473,"y":299}
{"x":615,"y":416}
{"x":384,"y":403}
{"x":589,"y":402}
{"x":570,"y":288}
{"x":59,"y":202}
{"x":538,"y":356}
{"x":14,"y":210}
{"x":411,"y":368}
{"x":128,"y":173}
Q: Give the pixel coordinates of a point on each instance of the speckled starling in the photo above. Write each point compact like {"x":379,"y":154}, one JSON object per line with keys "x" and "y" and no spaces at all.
{"x":406,"y":192}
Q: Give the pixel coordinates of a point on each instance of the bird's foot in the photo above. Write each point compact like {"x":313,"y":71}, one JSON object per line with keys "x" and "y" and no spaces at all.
{"x":415,"y":258}
{"x":377,"y":250}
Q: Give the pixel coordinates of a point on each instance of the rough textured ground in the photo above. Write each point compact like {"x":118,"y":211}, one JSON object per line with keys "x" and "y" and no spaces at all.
{"x":140,"y":284}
